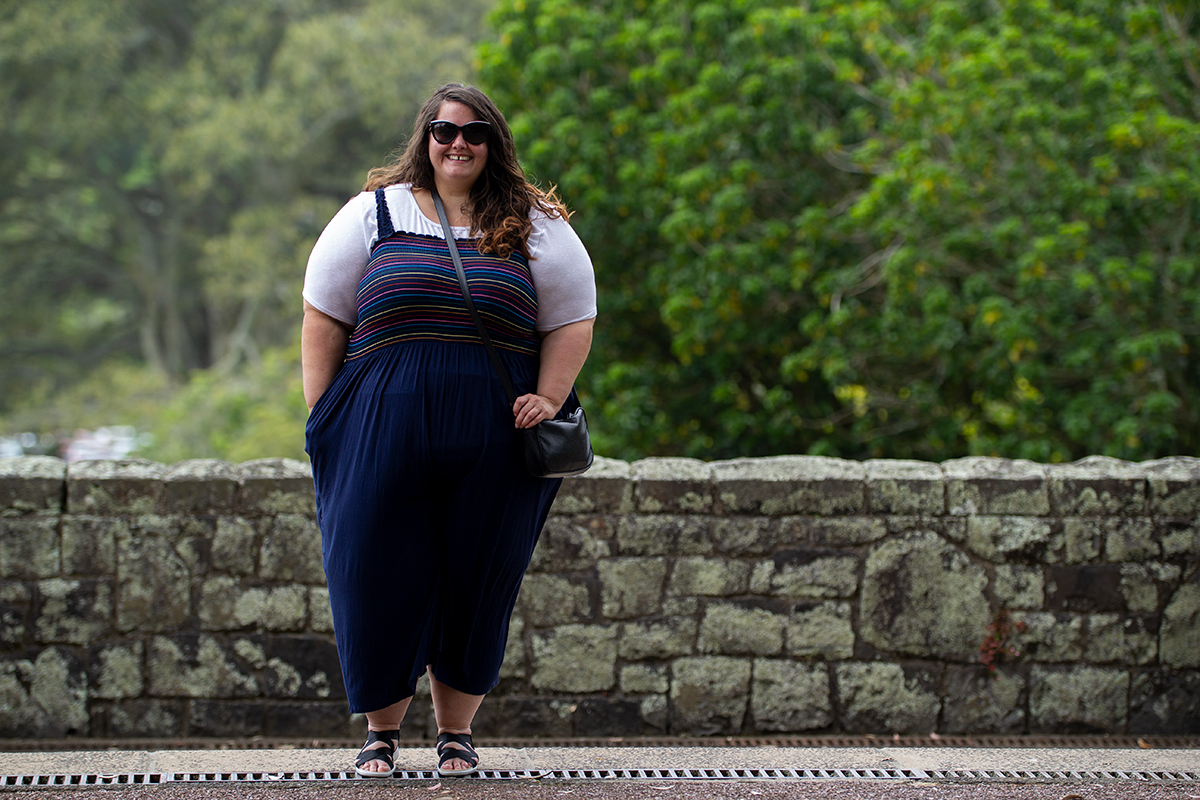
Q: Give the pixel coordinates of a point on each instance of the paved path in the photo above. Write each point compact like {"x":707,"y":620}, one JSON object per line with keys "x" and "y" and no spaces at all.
{"x":896,"y":773}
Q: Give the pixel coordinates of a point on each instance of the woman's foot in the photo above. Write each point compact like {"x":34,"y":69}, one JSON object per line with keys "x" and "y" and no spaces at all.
{"x":377,"y":759}
{"x":456,"y":755}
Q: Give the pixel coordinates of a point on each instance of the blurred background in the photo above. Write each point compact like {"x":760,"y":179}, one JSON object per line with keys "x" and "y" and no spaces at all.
{"x":895,"y":228}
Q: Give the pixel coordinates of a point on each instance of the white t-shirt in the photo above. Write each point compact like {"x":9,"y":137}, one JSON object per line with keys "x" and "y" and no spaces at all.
{"x":558,"y":262}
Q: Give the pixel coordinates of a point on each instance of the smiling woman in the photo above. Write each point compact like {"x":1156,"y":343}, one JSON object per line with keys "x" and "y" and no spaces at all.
{"x":415,"y":449}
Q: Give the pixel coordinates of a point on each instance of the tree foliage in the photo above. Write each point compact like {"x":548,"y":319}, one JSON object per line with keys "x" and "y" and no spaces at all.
{"x":877,"y":227}
{"x":865,"y":228}
{"x":165,"y":165}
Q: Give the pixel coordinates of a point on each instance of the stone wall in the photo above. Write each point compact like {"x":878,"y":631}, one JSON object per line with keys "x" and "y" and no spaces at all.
{"x":667,"y":596}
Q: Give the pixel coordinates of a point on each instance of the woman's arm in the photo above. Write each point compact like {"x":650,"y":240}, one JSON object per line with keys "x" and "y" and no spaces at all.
{"x":563,"y":352}
{"x":323,"y":341}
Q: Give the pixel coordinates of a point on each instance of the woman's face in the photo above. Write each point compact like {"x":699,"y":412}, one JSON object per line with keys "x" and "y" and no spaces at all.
{"x":459,"y":163}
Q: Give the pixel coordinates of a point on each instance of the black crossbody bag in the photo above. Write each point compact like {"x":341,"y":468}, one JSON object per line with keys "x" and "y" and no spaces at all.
{"x":554,"y":448}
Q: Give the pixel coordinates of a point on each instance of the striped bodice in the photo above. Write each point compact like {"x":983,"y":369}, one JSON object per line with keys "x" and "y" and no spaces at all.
{"x":409,"y":292}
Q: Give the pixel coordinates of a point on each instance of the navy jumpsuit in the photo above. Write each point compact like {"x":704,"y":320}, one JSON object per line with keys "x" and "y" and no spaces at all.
{"x":428,"y":516}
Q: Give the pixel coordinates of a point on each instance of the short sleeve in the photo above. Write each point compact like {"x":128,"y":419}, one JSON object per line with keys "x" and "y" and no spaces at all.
{"x":562,"y":274}
{"x":339,"y":258}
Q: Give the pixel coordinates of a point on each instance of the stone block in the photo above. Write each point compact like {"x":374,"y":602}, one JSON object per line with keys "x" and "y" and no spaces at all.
{"x":606,"y":488}
{"x":746,"y":536}
{"x":548,"y":600}
{"x":226,"y":718}
{"x":115,"y":487}
{"x":979,"y":702}
{"x":709,"y":695}
{"x":575,"y":658}
{"x":681,"y":606}
{"x":1048,"y":638}
{"x":708,"y":577}
{"x":320,"y":613}
{"x":1014,"y":539}
{"x":16,"y":602}
{"x":845,"y":531}
{"x":89,"y":544}
{"x":74,"y":611}
{"x":644,"y":679}
{"x":201,"y":486}
{"x":1115,"y":639}
{"x":1088,"y":587}
{"x":741,"y":629}
{"x":1083,"y":538}
{"x":226,"y":605}
{"x":805,"y":573}
{"x":1130,"y":540}
{"x":189,"y":537}
{"x":116,"y":670}
{"x":153,"y":591}
{"x":525,"y":717}
{"x":513,"y":665}
{"x":197,"y":665}
{"x":823,"y":631}
{"x":275,"y":486}
{"x":318,"y":720}
{"x":32,"y":485}
{"x":655,"y":712}
{"x":1179,"y":537}
{"x":43,"y":695}
{"x":30,"y":547}
{"x":923,"y":597}
{"x":571,"y":544}
{"x":1097,"y":486}
{"x":783,"y":485}
{"x":1165,"y":703}
{"x":905,"y":487}
{"x":1174,"y":486}
{"x":996,"y":486}
{"x":790,"y":697}
{"x":952,"y":529}
{"x":146,"y":719}
{"x":672,"y":485}
{"x":658,"y":639}
{"x":631,"y":587}
{"x":663,"y":535}
{"x":1067,"y":699}
{"x":1146,"y":587}
{"x":1179,"y":643}
{"x":1019,"y":587}
{"x":235,"y":546}
{"x":607,"y":717}
{"x":303,"y":668}
{"x":291,"y":551}
{"x":884,"y":698}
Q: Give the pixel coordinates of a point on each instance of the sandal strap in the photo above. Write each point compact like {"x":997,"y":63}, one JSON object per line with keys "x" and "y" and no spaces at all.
{"x":465,"y":752}
{"x":385,"y":754}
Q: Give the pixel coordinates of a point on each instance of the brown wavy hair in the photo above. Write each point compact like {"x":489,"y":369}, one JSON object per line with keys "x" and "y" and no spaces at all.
{"x":502,"y":196}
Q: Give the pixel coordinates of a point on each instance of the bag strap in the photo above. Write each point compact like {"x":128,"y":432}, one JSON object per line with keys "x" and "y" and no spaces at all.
{"x":466,"y":292}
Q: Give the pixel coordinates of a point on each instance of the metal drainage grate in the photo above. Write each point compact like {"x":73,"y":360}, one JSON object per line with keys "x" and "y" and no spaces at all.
{"x":973,"y":776}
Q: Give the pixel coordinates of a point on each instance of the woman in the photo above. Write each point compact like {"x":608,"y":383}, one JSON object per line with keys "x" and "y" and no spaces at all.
{"x":428,"y":517}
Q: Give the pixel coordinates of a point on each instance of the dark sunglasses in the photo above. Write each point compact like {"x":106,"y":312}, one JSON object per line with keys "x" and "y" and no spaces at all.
{"x":446,"y":132}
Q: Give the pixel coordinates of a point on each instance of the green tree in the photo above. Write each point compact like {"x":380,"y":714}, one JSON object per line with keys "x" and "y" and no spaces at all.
{"x":884,"y":228}
{"x":165,"y":166}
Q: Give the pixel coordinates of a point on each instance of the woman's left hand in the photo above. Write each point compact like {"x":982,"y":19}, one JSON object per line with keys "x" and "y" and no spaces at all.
{"x":530,"y":409}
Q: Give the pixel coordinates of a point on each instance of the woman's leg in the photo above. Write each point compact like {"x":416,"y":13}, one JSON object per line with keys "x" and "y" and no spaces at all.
{"x":385,"y":719}
{"x":454,"y":712}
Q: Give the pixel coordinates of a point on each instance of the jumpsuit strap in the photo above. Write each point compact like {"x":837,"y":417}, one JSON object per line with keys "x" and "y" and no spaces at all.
{"x":383,"y":217}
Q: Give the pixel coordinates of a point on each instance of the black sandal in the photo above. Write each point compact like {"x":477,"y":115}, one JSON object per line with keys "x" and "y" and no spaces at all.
{"x":465,"y":752}
{"x":385,"y":754}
